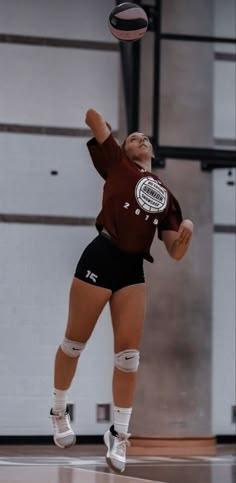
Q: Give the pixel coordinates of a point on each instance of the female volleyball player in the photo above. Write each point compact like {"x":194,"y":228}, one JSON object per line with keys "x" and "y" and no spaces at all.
{"x":135,"y":205}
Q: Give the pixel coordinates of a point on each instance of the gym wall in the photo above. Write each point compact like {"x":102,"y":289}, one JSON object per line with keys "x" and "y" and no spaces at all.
{"x":224,"y":219}
{"x":186,"y":382}
{"x":45,"y":92}
{"x":187,"y":375}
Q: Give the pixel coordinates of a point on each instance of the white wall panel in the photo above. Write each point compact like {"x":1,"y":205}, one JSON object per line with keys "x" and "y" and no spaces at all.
{"x":223,"y":303}
{"x":224,"y":196}
{"x":185,"y":17}
{"x":224,"y":18}
{"x":26,"y":185}
{"x":224,"y":23}
{"x":224,"y":316}
{"x":37,"y":266}
{"x":224,"y":100}
{"x":48,"y":86}
{"x":72,"y":19}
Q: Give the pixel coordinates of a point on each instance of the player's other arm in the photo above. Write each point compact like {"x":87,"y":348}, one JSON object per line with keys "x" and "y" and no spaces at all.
{"x":100,"y":128}
{"x":177,"y":243}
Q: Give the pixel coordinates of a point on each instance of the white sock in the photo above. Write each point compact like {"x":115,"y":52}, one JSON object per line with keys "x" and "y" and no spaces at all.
{"x":59,"y":400}
{"x":121,"y":419}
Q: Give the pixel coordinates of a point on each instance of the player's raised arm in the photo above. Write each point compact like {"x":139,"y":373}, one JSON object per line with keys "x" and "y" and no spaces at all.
{"x":98,"y":125}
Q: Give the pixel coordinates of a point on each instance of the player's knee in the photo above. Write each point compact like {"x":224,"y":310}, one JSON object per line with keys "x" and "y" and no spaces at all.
{"x":128,"y":360}
{"x":72,"y":348}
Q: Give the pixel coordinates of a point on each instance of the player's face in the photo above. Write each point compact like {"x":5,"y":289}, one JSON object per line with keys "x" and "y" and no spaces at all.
{"x":138,"y":147}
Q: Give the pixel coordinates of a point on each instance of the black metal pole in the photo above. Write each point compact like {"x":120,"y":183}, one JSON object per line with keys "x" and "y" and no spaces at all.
{"x":135,"y":98}
{"x":130,"y":63}
{"x":198,"y":38}
{"x":126,"y":76}
{"x":130,"y":60}
{"x":157,"y":75}
{"x":209,"y":158}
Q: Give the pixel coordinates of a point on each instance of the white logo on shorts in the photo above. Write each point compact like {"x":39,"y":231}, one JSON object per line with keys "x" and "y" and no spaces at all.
{"x":150,"y":195}
{"x":91,"y":275}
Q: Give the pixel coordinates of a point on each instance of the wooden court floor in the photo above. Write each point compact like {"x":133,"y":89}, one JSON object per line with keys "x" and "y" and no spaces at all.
{"x":86,"y":464}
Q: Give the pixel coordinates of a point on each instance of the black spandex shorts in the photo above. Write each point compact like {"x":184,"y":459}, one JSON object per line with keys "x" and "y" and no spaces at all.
{"x":103,"y":264}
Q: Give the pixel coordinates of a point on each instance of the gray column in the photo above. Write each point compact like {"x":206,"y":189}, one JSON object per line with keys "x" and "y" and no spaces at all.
{"x":174,"y":385}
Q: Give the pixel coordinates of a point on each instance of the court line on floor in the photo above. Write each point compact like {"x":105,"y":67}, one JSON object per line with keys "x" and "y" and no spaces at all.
{"x":106,"y":477}
{"x":99,"y":461}
{"x":120,"y":477}
{"x":89,"y":460}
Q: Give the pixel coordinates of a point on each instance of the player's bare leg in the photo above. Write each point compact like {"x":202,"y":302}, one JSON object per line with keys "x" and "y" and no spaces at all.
{"x":85,"y":305}
{"x":128,"y":312}
{"x":128,"y":307}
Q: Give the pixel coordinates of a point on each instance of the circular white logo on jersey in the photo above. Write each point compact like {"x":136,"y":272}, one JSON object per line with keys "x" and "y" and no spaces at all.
{"x":150,"y":195}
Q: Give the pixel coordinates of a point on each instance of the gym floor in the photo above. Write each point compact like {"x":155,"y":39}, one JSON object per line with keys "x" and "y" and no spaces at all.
{"x":86,"y":464}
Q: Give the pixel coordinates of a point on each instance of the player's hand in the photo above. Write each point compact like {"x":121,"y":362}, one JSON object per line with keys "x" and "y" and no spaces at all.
{"x":185,"y":233}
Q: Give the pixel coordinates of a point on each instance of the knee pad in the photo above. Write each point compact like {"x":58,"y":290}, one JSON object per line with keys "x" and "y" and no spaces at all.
{"x":127,"y":361}
{"x":72,"y":348}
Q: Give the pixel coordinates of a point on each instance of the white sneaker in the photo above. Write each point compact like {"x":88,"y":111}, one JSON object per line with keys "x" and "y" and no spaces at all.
{"x":64,"y":436}
{"x":116,"y":444}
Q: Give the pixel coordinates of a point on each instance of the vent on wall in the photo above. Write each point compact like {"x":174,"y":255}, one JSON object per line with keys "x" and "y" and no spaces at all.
{"x":230,"y":180}
{"x":234,"y":414}
{"x":103,"y":413}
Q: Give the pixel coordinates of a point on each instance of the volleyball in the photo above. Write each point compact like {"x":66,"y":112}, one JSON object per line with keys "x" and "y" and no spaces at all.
{"x":128,"y":22}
